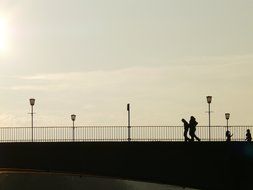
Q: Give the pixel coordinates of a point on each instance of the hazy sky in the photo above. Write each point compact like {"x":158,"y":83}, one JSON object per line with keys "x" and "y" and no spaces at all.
{"x":92,"y":57}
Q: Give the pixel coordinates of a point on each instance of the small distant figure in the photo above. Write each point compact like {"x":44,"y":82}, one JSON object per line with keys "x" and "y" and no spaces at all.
{"x":248,"y":136}
{"x":186,"y":128}
{"x":192,"y":124}
{"x":228,"y":136}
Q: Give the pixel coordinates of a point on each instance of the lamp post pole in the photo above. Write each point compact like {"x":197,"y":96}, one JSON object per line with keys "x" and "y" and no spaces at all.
{"x":129,"y":126}
{"x":73,"y":118}
{"x":209,"y":100}
{"x":32,"y":102}
{"x":227,"y":116}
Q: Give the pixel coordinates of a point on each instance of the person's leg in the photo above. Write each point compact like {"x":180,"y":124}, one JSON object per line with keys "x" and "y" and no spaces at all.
{"x":185,"y":136}
{"x":198,"y":139}
{"x":192,"y":137}
{"x":195,"y":136}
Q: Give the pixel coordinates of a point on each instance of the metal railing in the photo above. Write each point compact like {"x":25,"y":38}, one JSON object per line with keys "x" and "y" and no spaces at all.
{"x":115,"y":133}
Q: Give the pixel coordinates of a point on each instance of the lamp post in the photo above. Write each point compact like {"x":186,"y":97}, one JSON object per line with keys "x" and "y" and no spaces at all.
{"x":129,"y":126}
{"x":227,"y":116}
{"x":73,"y":118}
{"x":209,"y":100}
{"x":32,"y":102}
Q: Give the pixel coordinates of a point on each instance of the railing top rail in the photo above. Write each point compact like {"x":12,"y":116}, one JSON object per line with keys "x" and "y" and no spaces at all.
{"x":140,"y":126}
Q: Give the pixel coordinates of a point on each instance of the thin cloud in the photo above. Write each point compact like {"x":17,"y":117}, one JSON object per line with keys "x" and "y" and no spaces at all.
{"x":166,"y":92}
{"x":194,"y":69}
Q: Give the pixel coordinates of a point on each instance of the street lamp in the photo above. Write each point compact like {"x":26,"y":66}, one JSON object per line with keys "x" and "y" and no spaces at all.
{"x":227,"y":116}
{"x":209,"y":100}
{"x":32,"y":102}
{"x":129,"y":126}
{"x":73,"y":118}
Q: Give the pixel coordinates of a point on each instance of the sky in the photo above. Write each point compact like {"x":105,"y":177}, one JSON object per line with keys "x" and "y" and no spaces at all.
{"x":92,"y":57}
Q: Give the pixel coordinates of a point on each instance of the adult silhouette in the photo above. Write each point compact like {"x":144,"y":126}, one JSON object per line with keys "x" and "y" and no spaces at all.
{"x":192,"y":124}
{"x":228,"y":136}
{"x":186,"y":128}
{"x":248,"y":136}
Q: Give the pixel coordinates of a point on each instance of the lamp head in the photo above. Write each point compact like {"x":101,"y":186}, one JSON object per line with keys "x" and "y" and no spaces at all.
{"x":128,"y":107}
{"x":32,"y":101}
{"x":73,"y":117}
{"x":227,"y":115}
{"x":209,"y":99}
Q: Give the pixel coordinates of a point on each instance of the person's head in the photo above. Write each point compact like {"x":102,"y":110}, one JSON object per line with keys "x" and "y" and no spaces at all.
{"x":184,"y":121}
{"x":192,"y":118}
{"x":248,"y":131}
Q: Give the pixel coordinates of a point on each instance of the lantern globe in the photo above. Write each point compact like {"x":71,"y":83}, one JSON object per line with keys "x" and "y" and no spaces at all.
{"x":209,"y":99}
{"x":227,"y":115}
{"x":73,"y":117}
{"x":32,"y":101}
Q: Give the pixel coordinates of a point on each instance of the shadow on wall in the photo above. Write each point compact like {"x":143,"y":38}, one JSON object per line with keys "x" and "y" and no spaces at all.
{"x":49,"y":181}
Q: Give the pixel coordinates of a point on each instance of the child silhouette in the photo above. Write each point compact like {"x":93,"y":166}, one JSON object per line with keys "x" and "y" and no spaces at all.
{"x":248,"y":136}
{"x":228,"y":136}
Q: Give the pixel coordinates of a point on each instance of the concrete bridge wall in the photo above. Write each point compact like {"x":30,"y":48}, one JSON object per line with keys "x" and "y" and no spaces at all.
{"x":214,"y":165}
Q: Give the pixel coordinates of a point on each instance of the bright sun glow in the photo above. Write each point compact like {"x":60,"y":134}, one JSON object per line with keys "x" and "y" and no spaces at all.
{"x":3,"y":34}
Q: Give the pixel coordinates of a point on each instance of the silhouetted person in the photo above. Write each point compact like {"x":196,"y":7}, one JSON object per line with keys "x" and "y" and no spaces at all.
{"x":228,"y":136}
{"x":186,"y":128}
{"x":248,"y":136}
{"x":192,"y":124}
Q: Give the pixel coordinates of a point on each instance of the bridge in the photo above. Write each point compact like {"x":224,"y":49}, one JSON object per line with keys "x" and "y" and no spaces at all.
{"x":202,"y":165}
